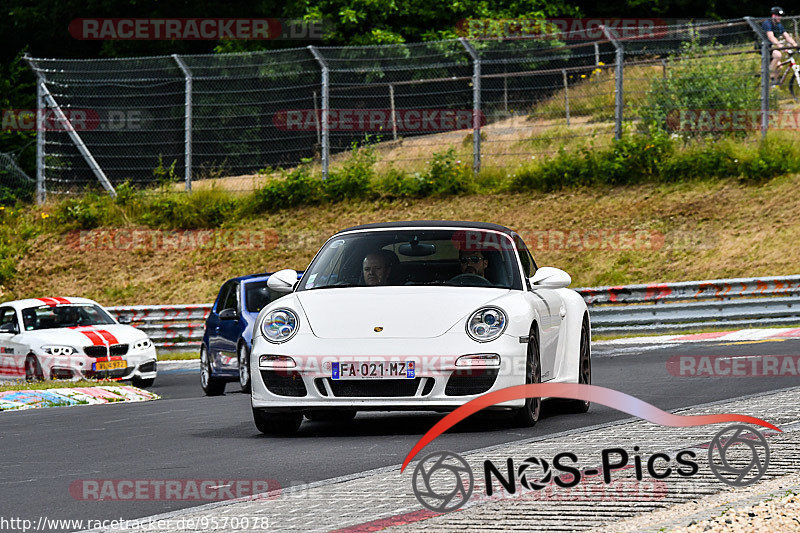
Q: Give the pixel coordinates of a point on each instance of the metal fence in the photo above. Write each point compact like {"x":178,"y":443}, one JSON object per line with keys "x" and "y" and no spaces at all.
{"x":621,"y":310}
{"x":184,"y":120}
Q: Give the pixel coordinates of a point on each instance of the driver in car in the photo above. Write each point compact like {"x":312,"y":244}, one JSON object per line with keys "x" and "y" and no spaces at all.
{"x":473,"y":262}
{"x":377,"y":269}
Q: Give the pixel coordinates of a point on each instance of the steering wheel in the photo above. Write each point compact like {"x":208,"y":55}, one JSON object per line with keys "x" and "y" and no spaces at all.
{"x":470,"y":279}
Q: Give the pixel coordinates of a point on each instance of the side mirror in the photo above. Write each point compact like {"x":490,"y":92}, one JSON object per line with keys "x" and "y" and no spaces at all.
{"x":282,"y":281}
{"x":550,"y":278}
{"x":124,"y":319}
{"x":9,"y":327}
{"x":228,"y":314}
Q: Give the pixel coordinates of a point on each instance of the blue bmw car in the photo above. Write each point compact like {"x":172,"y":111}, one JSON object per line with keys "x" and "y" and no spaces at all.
{"x":225,"y":350}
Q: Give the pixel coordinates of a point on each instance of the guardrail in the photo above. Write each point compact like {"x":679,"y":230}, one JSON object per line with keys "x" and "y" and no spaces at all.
{"x":625,"y":309}
{"x":693,"y":305}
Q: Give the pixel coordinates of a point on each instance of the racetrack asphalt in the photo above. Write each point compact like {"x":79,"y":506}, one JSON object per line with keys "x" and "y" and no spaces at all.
{"x":188,"y":436}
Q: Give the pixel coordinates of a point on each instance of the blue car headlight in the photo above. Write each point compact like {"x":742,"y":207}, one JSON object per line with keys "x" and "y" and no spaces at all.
{"x":487,"y":324}
{"x":280,"y":325}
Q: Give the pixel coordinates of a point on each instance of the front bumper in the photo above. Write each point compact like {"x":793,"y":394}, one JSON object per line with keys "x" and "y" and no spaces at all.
{"x":438,"y":384}
{"x":140,"y":365}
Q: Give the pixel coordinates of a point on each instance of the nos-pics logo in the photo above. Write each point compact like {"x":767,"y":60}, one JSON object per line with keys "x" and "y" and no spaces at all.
{"x":443,"y":481}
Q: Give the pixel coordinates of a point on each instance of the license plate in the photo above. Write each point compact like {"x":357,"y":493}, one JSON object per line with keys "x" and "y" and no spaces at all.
{"x":356,"y":370}
{"x":109,"y":365}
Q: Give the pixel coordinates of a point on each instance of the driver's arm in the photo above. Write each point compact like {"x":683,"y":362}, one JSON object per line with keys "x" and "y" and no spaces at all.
{"x":771,"y":38}
{"x":789,"y":38}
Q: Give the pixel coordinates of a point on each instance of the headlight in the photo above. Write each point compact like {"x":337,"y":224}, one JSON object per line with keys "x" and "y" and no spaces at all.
{"x":487,"y":324}
{"x":142,"y":345}
{"x":59,"y":351}
{"x":279,"y":325}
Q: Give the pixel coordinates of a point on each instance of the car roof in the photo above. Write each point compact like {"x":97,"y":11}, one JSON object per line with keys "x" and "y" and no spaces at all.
{"x":36,"y":302}
{"x":430,"y":224}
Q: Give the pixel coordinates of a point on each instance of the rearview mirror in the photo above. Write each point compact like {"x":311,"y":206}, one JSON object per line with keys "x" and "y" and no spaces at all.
{"x":550,"y":278}
{"x":228,"y":314}
{"x":124,"y":319}
{"x":282,"y":281}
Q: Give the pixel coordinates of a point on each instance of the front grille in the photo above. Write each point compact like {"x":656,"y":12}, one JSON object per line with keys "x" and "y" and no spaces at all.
{"x":62,"y":373}
{"x":284,"y":383}
{"x":378,"y":388}
{"x":149,"y":366}
{"x":472,"y":381}
{"x":118,"y":349}
{"x":96,"y":351}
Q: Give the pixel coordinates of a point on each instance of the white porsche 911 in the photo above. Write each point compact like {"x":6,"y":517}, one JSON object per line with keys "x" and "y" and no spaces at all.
{"x":415,"y":316}
{"x":71,"y":338}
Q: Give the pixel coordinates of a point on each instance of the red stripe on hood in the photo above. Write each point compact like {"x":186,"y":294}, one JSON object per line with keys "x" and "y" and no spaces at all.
{"x":95,"y":338}
{"x":107,"y":336}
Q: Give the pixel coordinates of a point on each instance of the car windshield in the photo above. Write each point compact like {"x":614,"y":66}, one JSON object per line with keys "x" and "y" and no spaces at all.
{"x":257,"y":295}
{"x":64,"y":316}
{"x":456,"y":257}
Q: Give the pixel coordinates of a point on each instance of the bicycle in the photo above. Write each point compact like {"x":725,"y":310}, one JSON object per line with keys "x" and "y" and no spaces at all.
{"x":792,"y":72}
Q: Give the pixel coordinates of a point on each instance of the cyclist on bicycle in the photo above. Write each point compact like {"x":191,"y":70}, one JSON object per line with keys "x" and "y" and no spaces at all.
{"x":778,"y":36}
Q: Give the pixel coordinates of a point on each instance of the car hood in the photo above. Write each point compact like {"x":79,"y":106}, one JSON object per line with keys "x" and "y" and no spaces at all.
{"x":83,"y":336}
{"x":402,"y":312}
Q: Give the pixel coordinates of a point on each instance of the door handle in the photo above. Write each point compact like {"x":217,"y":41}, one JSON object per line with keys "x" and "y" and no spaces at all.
{"x":562,"y":311}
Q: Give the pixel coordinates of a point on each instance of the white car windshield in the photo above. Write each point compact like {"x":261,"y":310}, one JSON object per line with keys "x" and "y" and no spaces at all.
{"x":64,"y":316}
{"x":457,"y":257}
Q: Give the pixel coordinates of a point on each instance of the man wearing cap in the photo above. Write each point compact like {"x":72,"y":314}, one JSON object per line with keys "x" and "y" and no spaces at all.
{"x":777,"y":35}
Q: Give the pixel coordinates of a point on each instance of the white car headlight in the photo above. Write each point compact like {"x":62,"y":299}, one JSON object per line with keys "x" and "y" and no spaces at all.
{"x":280,"y":325}
{"x":142,"y":345}
{"x":59,"y":351}
{"x":487,"y":324}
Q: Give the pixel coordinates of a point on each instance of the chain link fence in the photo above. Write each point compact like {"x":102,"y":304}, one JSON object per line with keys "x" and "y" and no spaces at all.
{"x":228,"y":119}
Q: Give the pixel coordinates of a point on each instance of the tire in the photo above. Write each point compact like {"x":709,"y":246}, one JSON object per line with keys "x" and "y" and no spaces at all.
{"x":794,"y":89}
{"x":333,"y":415}
{"x":244,"y":368}
{"x":528,"y":415}
{"x":584,"y":369}
{"x":142,"y":383}
{"x":285,"y":424}
{"x":33,"y":370}
{"x":211,"y":386}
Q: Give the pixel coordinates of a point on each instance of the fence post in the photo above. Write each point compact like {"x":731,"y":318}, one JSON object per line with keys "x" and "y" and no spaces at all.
{"x":476,"y":105}
{"x":394,"y":113}
{"x":325,"y":102}
{"x":596,"y":53}
{"x":48,"y":99}
{"x":566,"y":93}
{"x":618,"y":86}
{"x":187,"y":141}
{"x":41,"y":187}
{"x":765,"y":81}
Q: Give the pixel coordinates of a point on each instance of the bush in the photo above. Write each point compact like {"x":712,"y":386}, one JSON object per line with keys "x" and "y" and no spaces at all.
{"x":294,"y":188}
{"x":355,"y":178}
{"x":699,"y":79}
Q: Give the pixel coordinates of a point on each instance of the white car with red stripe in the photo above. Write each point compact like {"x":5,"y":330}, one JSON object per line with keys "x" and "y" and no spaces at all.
{"x":71,"y":338}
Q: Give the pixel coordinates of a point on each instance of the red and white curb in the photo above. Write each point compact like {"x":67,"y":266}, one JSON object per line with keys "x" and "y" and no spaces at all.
{"x":716,"y":336}
{"x":32,"y":399}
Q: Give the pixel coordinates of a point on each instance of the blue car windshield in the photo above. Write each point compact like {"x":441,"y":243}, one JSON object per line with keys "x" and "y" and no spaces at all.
{"x":257,"y":295}
{"x":454,"y":257}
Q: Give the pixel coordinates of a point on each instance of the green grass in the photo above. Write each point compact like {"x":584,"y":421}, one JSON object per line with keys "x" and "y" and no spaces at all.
{"x":179,"y":356}
{"x":20,"y":385}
